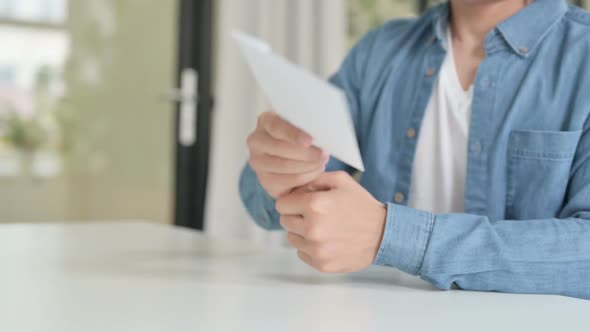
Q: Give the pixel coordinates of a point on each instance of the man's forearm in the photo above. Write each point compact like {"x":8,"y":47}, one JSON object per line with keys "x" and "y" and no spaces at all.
{"x":520,"y":256}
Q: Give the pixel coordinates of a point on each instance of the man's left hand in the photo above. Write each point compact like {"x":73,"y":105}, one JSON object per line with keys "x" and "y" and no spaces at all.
{"x":334,"y":223}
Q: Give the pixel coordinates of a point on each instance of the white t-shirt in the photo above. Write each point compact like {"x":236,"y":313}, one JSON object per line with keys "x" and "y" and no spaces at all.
{"x":440,"y":166}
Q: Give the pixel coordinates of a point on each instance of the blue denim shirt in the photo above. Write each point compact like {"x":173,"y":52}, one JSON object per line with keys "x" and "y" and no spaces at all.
{"x":526,"y":225}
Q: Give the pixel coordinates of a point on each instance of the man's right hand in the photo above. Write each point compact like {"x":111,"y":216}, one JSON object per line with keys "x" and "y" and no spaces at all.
{"x":283,"y":156}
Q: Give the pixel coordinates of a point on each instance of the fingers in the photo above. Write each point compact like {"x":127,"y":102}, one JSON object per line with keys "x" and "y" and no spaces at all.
{"x":331,"y":180}
{"x":283,"y":130}
{"x":293,"y":204}
{"x":282,"y":155}
{"x":278,"y":165}
{"x":303,"y":203}
{"x":261,"y":142}
{"x":293,"y":224}
{"x":280,"y":184}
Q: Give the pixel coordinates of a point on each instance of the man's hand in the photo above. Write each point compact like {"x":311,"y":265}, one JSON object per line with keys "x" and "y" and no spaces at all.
{"x":282,"y":157}
{"x":336,"y":225}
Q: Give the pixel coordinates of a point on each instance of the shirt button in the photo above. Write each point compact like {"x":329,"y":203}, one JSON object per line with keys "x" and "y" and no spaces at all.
{"x":476,"y":148}
{"x":399,"y":198}
{"x":523,"y":50}
{"x":430,"y":72}
{"x":411,"y":133}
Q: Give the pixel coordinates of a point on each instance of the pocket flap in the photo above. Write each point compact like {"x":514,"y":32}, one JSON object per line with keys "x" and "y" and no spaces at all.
{"x":544,"y":144}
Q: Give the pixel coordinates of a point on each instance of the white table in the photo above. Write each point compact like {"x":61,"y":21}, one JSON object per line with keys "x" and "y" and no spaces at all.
{"x":142,"y":277}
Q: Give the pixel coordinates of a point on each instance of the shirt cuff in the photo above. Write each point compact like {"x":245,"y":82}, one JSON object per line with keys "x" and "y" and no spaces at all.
{"x":405,"y":238}
{"x":260,"y":205}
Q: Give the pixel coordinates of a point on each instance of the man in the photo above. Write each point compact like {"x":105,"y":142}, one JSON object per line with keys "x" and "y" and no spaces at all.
{"x":473,"y":125}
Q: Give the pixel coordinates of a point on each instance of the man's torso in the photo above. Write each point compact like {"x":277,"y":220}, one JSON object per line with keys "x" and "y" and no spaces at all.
{"x":531,"y":100}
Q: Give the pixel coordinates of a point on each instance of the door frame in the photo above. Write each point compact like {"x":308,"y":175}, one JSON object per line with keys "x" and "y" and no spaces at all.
{"x":195,"y":50}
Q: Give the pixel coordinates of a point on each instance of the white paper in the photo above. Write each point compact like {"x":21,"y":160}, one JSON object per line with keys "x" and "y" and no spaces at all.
{"x":306,"y":101}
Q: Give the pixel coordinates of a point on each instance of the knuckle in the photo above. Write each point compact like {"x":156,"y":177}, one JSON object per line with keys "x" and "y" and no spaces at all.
{"x":315,"y":153}
{"x":263,"y":121}
{"x":312,"y":154}
{"x":265,"y":116}
{"x":313,"y":232}
{"x":272,"y":122}
{"x":260,"y":121}
{"x":316,"y":203}
{"x":251,"y":141}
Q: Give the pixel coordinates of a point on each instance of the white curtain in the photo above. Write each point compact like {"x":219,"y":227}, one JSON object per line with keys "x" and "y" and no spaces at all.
{"x":312,"y":33}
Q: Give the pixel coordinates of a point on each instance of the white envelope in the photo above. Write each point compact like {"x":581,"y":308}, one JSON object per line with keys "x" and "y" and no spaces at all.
{"x":306,"y":101}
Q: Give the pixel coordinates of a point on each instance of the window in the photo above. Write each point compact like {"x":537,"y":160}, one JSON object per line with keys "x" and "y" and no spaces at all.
{"x":48,"y":11}
{"x":35,"y":46}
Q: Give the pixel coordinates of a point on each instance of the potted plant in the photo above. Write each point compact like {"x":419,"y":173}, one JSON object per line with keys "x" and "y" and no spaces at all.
{"x":24,"y":133}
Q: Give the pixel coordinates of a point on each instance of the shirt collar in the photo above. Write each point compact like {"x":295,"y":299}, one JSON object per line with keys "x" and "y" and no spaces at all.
{"x":441,"y":23}
{"x":522,"y":32}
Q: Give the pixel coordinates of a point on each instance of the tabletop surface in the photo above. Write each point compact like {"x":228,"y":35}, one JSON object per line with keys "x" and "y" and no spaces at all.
{"x":145,"y":277}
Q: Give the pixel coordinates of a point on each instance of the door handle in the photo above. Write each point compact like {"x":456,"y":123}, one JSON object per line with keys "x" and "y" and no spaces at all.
{"x":188,"y":99}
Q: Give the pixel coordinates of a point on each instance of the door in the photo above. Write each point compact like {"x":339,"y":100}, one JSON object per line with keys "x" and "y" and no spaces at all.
{"x":194,"y":111}
{"x":86,"y":128}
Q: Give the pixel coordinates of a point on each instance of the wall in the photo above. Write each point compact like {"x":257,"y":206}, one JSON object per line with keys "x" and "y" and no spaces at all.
{"x":124,"y":58}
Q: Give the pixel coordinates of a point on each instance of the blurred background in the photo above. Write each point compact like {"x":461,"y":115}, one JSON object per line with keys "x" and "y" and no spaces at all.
{"x":138,"y":110}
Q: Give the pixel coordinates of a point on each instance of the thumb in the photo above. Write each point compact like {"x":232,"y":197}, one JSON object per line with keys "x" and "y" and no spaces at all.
{"x":330,"y":181}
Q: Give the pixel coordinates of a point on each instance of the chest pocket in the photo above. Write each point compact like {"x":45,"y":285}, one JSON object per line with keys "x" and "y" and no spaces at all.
{"x":539,"y":166}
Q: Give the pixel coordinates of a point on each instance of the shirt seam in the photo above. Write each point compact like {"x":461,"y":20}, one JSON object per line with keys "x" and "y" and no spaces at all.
{"x":428,"y":233}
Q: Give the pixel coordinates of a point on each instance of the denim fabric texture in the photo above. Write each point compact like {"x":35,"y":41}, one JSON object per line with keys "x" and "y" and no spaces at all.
{"x":526,"y":225}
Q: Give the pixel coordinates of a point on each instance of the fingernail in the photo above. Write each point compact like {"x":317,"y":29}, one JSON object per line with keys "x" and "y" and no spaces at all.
{"x":305,"y":139}
{"x":325,"y":156}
